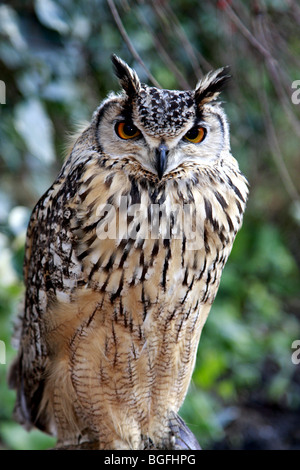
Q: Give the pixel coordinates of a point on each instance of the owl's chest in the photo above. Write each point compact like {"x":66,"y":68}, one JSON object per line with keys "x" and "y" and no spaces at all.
{"x":157,"y":276}
{"x":157,"y":245}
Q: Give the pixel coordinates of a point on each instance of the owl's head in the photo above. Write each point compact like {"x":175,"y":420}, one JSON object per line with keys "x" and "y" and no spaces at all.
{"x":163,"y":130}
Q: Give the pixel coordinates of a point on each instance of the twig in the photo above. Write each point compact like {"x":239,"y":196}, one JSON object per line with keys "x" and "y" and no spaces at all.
{"x":127,"y":40}
{"x":164,"y":54}
{"x":246,"y":32}
{"x":275,"y":149}
{"x":194,"y":57}
{"x":275,"y":75}
{"x":295,"y":10}
{"x":271,"y":63}
{"x":262,"y":46}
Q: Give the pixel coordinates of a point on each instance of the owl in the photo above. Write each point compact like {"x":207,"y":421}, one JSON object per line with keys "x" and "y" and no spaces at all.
{"x":124,"y":255}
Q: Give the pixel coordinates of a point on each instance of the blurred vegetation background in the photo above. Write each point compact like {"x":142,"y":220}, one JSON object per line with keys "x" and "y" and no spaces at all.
{"x":55,"y":62}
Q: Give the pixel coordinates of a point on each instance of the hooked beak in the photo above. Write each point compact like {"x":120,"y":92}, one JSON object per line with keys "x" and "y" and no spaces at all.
{"x":161,"y":154}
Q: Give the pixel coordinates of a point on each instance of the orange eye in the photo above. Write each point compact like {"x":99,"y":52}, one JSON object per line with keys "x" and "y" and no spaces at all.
{"x":126,"y":130}
{"x":195,"y":135}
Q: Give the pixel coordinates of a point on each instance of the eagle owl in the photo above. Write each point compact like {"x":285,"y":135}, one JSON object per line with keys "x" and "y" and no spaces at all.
{"x":124,"y":254}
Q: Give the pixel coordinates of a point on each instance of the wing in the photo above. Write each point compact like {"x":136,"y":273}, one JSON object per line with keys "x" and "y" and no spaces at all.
{"x":26,"y":374}
{"x":48,"y":262}
{"x":52,"y":271}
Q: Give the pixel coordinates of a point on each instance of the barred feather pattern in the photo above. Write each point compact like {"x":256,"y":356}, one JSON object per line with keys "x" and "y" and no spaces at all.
{"x":111,"y":326}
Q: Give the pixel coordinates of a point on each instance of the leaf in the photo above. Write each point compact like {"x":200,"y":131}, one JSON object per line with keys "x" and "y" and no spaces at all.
{"x":18,"y":220}
{"x":7,"y":273}
{"x":10,"y":28}
{"x":17,"y":438}
{"x":34,"y":125}
{"x":52,"y":15}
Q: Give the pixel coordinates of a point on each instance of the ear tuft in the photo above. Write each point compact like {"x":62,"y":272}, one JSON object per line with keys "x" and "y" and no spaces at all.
{"x":209,"y":87}
{"x":128,"y":78}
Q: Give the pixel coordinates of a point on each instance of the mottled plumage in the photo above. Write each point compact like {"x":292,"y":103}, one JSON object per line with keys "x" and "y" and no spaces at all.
{"x":124,"y":255}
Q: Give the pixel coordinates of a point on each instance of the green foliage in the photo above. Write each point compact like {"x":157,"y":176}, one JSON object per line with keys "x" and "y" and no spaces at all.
{"x":55,"y":61}
{"x":250,"y":324}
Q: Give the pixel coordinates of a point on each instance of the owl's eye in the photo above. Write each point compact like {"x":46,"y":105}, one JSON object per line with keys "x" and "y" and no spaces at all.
{"x":195,"y":135}
{"x":126,"y":130}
